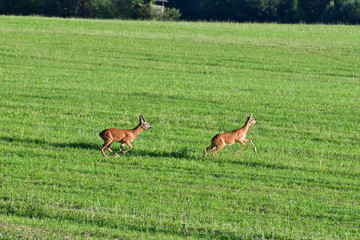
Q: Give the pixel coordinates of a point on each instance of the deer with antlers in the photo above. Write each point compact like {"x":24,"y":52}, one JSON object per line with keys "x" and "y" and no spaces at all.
{"x":229,"y":138}
{"x":124,"y":136}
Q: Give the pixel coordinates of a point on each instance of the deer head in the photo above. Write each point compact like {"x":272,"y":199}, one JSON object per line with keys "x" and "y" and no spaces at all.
{"x":143,"y":123}
{"x":251,"y":120}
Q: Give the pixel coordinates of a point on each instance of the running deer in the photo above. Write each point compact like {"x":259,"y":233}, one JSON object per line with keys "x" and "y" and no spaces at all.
{"x":229,"y":138}
{"x":124,"y":136}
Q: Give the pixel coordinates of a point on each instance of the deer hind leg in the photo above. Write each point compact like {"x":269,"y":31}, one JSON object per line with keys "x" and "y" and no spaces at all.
{"x":130,"y":147}
{"x":208,"y":148}
{"x":217,"y":148}
{"x":106,"y":145}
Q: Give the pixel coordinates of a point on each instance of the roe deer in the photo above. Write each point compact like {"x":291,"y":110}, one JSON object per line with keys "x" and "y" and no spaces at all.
{"x":229,"y":138}
{"x":124,"y":136}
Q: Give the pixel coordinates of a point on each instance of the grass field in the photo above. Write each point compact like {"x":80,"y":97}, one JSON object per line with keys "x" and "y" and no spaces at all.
{"x":63,"y":81}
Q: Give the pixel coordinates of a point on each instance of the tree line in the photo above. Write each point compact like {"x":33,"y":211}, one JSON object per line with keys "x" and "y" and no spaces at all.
{"x":280,"y":11}
{"x":103,"y":9}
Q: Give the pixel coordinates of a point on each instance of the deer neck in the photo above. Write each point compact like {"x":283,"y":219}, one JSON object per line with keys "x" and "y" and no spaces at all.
{"x":137,"y":130}
{"x":245,"y":128}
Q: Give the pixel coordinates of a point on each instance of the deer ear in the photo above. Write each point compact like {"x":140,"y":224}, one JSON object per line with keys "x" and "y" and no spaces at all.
{"x":140,"y":119}
{"x":251,"y":115}
{"x":246,"y":115}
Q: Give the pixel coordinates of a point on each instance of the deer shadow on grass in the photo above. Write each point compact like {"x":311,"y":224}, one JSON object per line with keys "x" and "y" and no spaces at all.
{"x":44,"y":143}
{"x":182,"y":153}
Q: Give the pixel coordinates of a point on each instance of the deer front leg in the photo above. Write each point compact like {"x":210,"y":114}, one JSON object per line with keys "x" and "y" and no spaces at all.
{"x":253,"y":145}
{"x":121,"y":147}
{"x":244,"y":145}
{"x":248,"y":140}
{"x":130,"y":147}
{"x":109,"y":149}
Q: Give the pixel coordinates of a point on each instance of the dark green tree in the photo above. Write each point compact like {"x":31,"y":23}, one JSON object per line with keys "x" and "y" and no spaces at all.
{"x":310,"y":11}
{"x":287,"y":11}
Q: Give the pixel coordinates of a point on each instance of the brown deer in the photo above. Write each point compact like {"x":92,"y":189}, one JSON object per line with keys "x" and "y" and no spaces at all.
{"x":124,"y":136}
{"x":229,"y":138}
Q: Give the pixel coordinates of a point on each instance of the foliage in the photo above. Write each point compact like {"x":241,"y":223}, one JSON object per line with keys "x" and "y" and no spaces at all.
{"x":170,"y":14}
{"x":65,"y":80}
{"x":311,"y":10}
{"x":281,"y":11}
{"x":342,"y":11}
{"x":287,"y":11}
{"x":125,"y":9}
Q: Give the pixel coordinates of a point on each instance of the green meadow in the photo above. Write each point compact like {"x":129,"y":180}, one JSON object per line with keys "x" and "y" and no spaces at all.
{"x":63,"y":81}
